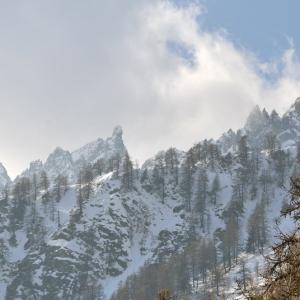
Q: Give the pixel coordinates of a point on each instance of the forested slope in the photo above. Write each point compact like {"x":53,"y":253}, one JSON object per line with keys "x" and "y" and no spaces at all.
{"x":81,"y":223}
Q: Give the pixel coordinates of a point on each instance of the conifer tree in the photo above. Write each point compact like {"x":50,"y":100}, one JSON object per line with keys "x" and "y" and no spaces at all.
{"x":86,"y":182}
{"x":171,"y":163}
{"x":127,"y":173}
{"x":282,"y":276}
{"x":257,"y":229}
{"x":44,"y":186}
{"x":159,"y":173}
{"x":158,"y":182}
{"x":34,"y":186}
{"x":201,"y":196}
{"x":3,"y":253}
{"x":80,"y":196}
{"x":280,"y":158}
{"x":44,"y":181}
{"x":244,"y":275}
{"x":243,"y":151}
{"x":186,"y":181}
{"x":215,"y":190}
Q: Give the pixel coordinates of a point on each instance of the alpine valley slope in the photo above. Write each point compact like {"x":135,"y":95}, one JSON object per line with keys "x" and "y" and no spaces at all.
{"x":111,"y":218}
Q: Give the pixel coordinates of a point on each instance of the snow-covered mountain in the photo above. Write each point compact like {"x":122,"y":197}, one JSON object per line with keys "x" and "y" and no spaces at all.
{"x":63,"y":242}
{"x":266,"y":130}
{"x":60,"y":162}
{"x":102,"y":149}
{"x":63,"y":162}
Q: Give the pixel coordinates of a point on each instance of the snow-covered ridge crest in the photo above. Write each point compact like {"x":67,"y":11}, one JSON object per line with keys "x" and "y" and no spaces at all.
{"x":66,"y":163}
{"x":102,"y":149}
{"x":264,"y":128}
{"x":60,"y":162}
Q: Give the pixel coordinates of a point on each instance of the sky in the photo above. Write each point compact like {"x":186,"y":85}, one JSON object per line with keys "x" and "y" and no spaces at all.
{"x":169,"y":72}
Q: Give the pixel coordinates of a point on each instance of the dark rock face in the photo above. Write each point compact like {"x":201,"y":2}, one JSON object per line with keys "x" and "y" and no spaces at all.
{"x":297,"y":106}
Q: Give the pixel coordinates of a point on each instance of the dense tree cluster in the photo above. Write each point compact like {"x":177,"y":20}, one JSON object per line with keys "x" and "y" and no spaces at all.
{"x":180,"y":274}
{"x":198,"y":180}
{"x":282,"y":278}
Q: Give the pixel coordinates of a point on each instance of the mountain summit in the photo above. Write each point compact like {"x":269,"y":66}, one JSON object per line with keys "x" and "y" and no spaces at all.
{"x":256,"y":120}
{"x":102,"y":149}
{"x":63,"y":162}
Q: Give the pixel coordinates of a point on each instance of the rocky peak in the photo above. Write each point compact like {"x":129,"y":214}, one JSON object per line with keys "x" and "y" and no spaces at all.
{"x":294,"y":109}
{"x":256,"y":120}
{"x":297,"y":105}
{"x":4,"y":178}
{"x":60,"y":162}
{"x":2,"y":168}
{"x":58,"y":154}
{"x":115,"y":142}
{"x":117,"y":132}
{"x":58,"y":151}
{"x":102,"y":149}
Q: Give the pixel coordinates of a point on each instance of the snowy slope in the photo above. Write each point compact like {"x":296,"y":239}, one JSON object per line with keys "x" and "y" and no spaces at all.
{"x":117,"y":233}
{"x":126,"y":226}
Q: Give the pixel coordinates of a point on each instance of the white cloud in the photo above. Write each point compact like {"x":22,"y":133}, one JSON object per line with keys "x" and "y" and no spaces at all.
{"x":72,"y":70}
